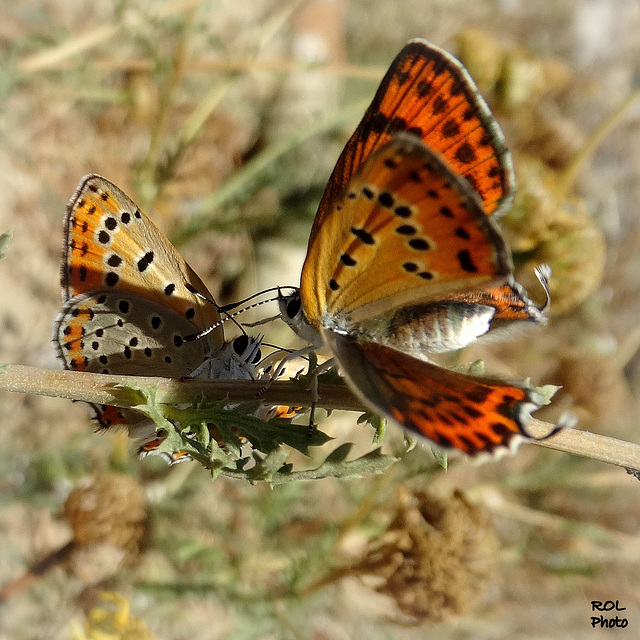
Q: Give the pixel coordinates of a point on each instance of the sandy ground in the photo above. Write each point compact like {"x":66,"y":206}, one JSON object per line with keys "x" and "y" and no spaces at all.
{"x":566,"y":528}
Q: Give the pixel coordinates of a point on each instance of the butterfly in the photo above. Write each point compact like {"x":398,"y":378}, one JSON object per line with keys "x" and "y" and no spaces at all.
{"x":130,"y":301}
{"x":405,"y":258}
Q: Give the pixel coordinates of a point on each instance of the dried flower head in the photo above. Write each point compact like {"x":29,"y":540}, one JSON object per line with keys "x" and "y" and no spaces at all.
{"x":557,"y":230}
{"x":108,"y":516}
{"x":435,"y":557}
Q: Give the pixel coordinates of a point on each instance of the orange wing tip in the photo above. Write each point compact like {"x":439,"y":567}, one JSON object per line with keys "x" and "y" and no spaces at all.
{"x":515,"y":405}
{"x":567,"y":420}
{"x":420,"y":45}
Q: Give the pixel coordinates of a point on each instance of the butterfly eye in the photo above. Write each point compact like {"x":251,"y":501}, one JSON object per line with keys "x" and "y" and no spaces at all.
{"x":293,"y":306}
{"x":240,"y":344}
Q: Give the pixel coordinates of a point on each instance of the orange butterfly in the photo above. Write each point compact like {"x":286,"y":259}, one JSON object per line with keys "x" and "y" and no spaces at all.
{"x":130,"y":300}
{"x":404,"y":259}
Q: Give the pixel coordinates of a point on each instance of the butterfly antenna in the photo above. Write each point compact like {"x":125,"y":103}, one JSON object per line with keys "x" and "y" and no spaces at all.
{"x":233,"y":305}
{"x":198,"y":294}
{"x":219,"y":309}
{"x":232,"y":316}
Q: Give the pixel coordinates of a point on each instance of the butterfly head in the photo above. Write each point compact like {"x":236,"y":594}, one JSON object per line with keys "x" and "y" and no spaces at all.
{"x":247,"y":349}
{"x":236,"y":359}
{"x":292,"y":314}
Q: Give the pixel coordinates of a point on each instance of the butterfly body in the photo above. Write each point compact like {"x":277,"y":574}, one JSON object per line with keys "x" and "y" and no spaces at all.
{"x":436,"y":327}
{"x":456,"y":322}
{"x":405,"y":260}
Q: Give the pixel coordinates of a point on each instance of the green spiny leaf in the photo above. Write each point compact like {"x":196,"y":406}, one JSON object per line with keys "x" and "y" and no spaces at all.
{"x":268,"y":467}
{"x":378,"y":423}
{"x":335,"y":466}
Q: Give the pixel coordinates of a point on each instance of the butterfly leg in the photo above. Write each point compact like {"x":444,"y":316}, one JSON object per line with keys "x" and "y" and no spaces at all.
{"x":315,"y":395}
{"x":282,"y":365}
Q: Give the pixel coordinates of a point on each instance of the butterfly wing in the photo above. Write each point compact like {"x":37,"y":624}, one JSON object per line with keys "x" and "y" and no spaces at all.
{"x":427,"y":92}
{"x":114,"y":332}
{"x":510,"y":302}
{"x":117,"y":332}
{"x":408,"y":230}
{"x":111,"y":245}
{"x":469,"y":413}
{"x":126,"y":307}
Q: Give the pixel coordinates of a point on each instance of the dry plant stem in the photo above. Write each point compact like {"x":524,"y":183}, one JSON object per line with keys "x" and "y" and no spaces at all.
{"x":334,"y":575}
{"x":604,"y":544}
{"x":570,"y":172}
{"x":51,"y":58}
{"x":203,"y":110}
{"x":108,"y":389}
{"x":240,"y":182}
{"x":147,"y":173}
{"x":282,"y":615}
{"x":100,"y":388}
{"x":365,"y":506}
{"x":212,"y":64}
{"x":36,"y":571}
{"x":214,"y":96}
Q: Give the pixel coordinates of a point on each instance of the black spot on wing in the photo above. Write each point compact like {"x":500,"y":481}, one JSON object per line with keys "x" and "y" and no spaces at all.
{"x":145,"y":261}
{"x":466,"y":262}
{"x":465,"y":153}
{"x":363,"y":235}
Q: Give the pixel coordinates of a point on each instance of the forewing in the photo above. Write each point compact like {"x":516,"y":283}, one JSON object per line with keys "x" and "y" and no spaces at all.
{"x":111,"y":245}
{"x":408,"y":230}
{"x":427,"y":92}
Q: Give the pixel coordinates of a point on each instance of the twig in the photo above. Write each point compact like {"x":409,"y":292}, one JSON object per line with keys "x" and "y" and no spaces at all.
{"x":36,"y":571}
{"x":567,"y":176}
{"x":110,"y":389}
{"x":241,"y":179}
{"x":147,"y":175}
{"x":214,"y":96}
{"x":137,"y":65}
{"x":51,"y":58}
{"x":101,"y":388}
{"x":618,"y":546}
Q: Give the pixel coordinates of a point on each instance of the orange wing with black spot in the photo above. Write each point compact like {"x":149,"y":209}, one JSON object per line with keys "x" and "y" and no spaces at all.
{"x":427,"y":92}
{"x":408,"y":230}
{"x":472,"y":414}
{"x":510,"y":301}
{"x":111,"y":245}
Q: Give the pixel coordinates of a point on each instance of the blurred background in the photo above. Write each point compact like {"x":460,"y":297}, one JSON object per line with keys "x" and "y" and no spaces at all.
{"x":223,"y":120}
